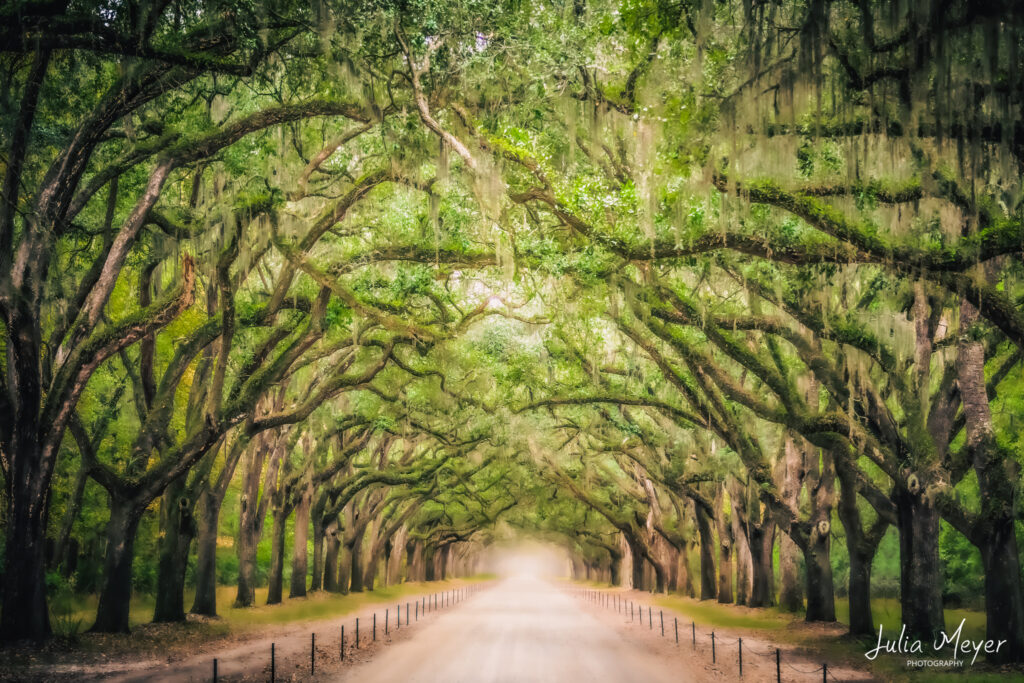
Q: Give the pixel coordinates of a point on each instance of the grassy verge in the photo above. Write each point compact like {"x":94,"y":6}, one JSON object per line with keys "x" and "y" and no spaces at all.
{"x":317,"y":605}
{"x":148,"y":640}
{"x":791,"y":630}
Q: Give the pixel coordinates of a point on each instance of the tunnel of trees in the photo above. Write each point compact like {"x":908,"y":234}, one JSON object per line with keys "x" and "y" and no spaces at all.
{"x":726,"y":297}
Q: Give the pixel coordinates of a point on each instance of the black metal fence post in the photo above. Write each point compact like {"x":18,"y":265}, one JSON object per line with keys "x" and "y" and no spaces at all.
{"x":357,"y":633}
{"x":214,"y":670}
{"x":824,"y":672}
{"x":343,"y":642}
{"x":778,"y":666}
{"x":741,"y":657}
{"x":375,"y":627}
{"x":312,"y":654}
{"x":676,"y":621}
{"x":273,"y":664}
{"x":650,"y":623}
{"x":385,"y":622}
{"x":406,"y":614}
{"x":661,"y":617}
{"x":693,"y":627}
{"x":712,"y":647}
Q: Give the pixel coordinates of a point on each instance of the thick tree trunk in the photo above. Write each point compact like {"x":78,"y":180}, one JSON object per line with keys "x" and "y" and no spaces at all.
{"x":429,"y":565}
{"x":25,"y":614}
{"x":275,"y":577}
{"x":251,"y":514}
{"x":920,"y":571}
{"x":205,"y":602}
{"x":318,"y":554}
{"x":246,"y":595}
{"x":178,"y":529}
{"x":115,"y":596}
{"x":615,"y":569}
{"x":725,"y":547}
{"x":356,"y":568}
{"x":333,"y":548}
{"x":372,"y":569}
{"x":820,"y":479}
{"x":997,"y":475}
{"x":300,"y":549}
{"x":821,"y":605}
{"x":707,"y":555}
{"x":660,"y":582}
{"x":743,"y":569}
{"x":861,"y":550}
{"x":762,"y":540}
{"x":686,"y":571}
{"x":414,"y":559}
{"x":638,"y":578}
{"x":861,"y":619}
{"x":1003,"y":606}
{"x":791,"y":595}
{"x":345,"y":569}
{"x":445,"y":554}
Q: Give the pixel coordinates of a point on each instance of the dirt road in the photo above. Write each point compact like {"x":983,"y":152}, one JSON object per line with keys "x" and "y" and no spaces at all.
{"x":522,"y":630}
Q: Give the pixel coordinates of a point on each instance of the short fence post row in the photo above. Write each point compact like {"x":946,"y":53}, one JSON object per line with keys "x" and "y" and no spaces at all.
{"x":619,"y":603}
{"x":453,"y":596}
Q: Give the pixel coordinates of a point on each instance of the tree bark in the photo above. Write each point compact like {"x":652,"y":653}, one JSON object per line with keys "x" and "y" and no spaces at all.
{"x":707,"y":554}
{"x":820,"y":477}
{"x":861,"y":547}
{"x":920,"y":571}
{"x":275,"y":577}
{"x":252,"y":513}
{"x":357,"y":570}
{"x":791,"y":596}
{"x":112,"y":615}
{"x":333,"y":547}
{"x":743,"y":563}
{"x":178,"y":528}
{"x":300,"y":549}
{"x":997,"y":473}
{"x":725,"y":548}
{"x":205,"y":602}
{"x":317,"y":582}
{"x":25,"y":614}
{"x":762,"y":539}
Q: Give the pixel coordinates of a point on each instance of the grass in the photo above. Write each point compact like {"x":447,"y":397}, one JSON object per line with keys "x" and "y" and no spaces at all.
{"x":710,"y":613}
{"x":318,"y":605}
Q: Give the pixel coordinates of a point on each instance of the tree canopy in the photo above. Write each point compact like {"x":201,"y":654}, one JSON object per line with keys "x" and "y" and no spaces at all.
{"x":657,"y":281}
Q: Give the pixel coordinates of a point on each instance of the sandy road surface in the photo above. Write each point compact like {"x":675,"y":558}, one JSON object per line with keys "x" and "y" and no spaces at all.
{"x":521,"y":631}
